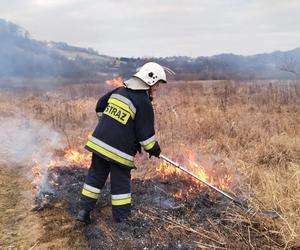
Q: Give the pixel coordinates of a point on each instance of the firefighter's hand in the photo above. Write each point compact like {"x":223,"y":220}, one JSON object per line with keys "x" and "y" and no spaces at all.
{"x":155,"y":150}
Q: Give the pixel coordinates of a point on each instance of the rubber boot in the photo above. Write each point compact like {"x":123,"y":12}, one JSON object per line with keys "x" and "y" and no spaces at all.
{"x":84,"y":216}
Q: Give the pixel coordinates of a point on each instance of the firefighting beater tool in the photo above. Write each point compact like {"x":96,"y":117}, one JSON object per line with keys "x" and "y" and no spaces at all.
{"x":273,"y":213}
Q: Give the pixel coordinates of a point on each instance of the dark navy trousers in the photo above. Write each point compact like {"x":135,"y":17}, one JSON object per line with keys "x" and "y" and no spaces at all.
{"x":120,"y":187}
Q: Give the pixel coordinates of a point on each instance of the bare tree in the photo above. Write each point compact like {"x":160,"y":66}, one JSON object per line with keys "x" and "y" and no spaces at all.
{"x":290,"y":66}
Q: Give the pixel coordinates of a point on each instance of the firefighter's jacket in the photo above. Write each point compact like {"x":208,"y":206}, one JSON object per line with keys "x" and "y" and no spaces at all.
{"x":126,"y":123}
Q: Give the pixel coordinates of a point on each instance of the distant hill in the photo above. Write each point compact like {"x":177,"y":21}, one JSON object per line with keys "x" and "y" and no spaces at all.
{"x":22,"y":56}
{"x":231,"y":66}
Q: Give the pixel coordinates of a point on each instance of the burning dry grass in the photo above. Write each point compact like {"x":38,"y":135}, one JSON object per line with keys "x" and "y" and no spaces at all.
{"x":249,"y":130}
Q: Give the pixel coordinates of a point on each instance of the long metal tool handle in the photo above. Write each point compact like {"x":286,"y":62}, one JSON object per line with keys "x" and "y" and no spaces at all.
{"x":198,"y":178}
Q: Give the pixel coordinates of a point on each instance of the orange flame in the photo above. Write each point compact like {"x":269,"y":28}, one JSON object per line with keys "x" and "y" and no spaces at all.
{"x":74,"y":157}
{"x":37,"y":176}
{"x":179,"y":194}
{"x":71,"y":157}
{"x":40,"y":174}
{"x":168,"y":171}
{"x":115,"y":82}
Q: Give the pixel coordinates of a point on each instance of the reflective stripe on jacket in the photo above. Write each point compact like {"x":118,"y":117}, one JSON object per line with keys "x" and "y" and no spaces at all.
{"x":127,"y":121}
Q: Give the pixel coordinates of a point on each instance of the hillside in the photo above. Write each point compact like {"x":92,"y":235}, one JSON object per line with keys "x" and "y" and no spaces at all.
{"x":24,"y":57}
{"x":231,"y":66}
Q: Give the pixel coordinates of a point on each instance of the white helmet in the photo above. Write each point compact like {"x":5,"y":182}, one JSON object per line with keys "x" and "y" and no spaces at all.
{"x":148,"y":75}
{"x":151,"y":73}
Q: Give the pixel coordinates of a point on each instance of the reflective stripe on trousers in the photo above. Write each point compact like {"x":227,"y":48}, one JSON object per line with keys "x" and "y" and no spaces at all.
{"x":120,"y":186}
{"x":120,"y":199}
{"x":90,"y":191}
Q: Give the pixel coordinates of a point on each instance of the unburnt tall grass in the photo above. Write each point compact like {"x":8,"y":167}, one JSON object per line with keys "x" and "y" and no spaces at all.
{"x":254,"y":127}
{"x":249,"y":129}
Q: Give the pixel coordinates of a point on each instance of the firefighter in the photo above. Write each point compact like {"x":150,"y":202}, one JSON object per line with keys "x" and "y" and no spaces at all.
{"x":126,"y":123}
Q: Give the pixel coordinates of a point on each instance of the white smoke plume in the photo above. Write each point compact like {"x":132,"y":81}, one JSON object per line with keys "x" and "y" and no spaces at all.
{"x":21,"y":138}
{"x":27,"y":142}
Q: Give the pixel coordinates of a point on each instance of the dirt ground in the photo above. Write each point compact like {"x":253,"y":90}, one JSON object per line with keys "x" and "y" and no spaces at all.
{"x":19,"y":227}
{"x":23,"y":228}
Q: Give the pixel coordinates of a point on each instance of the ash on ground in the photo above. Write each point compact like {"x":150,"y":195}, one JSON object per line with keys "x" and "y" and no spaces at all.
{"x":159,"y":221}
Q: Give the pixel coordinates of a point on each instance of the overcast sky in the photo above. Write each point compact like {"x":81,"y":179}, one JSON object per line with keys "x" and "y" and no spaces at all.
{"x":161,"y":27}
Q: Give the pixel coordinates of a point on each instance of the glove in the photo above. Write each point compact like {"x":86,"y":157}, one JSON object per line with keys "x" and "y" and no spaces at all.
{"x":155,"y":150}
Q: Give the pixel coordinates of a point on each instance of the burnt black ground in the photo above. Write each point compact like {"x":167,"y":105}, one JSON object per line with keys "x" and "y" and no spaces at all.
{"x":159,"y":220}
{"x":152,"y":202}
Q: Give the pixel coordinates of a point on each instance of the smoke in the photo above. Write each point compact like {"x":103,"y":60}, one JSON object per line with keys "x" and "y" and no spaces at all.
{"x":29,"y":143}
{"x":21,"y":138}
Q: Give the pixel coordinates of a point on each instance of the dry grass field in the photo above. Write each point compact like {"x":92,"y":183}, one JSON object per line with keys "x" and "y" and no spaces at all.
{"x":249,"y":130}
